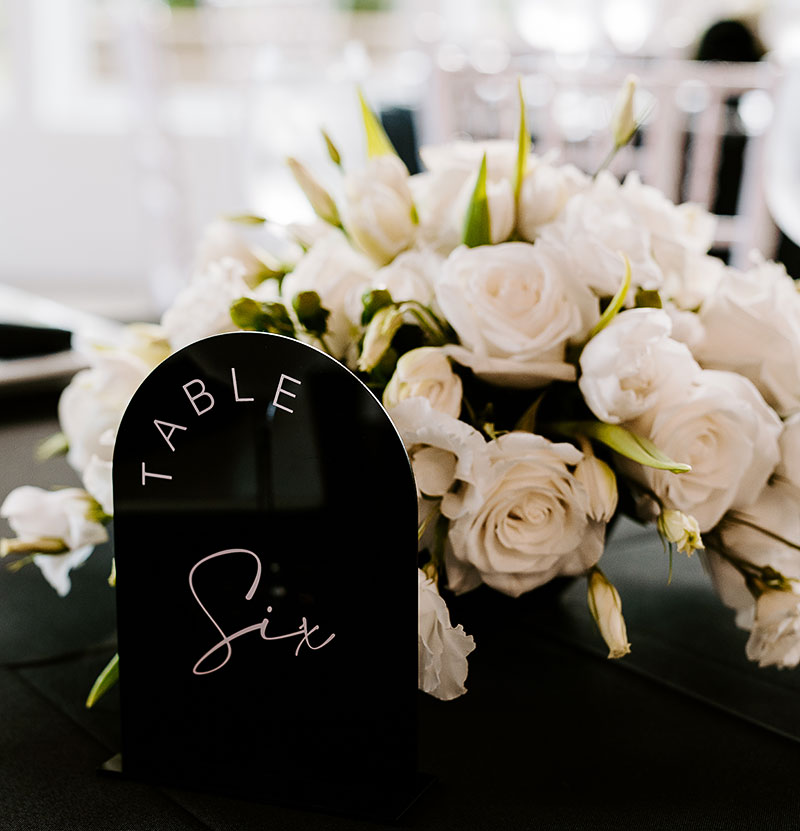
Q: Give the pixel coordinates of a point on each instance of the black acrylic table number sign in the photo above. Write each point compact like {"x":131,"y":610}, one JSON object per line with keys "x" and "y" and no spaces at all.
{"x":265,"y":542}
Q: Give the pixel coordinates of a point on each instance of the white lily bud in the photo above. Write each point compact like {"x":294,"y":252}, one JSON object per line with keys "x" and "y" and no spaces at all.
{"x":623,"y":122}
{"x":382,"y":328}
{"x":681,"y":529}
{"x":35,"y":545}
{"x":321,"y":201}
{"x":600,"y":483}
{"x":606,"y":608}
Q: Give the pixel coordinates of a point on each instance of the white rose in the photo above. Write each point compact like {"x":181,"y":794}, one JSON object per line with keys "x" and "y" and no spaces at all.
{"x":447,"y":455}
{"x":379,"y":208}
{"x":514,"y":311}
{"x":94,"y":401}
{"x":36,"y":514}
{"x":425,"y":372}
{"x":532,"y":524}
{"x":545,"y":191}
{"x":752,"y":326}
{"x":443,"y":648}
{"x":591,"y":232}
{"x":412,"y":275}
{"x":722,"y":427}
{"x":340,"y":276}
{"x":97,"y":479}
{"x":203,"y":308}
{"x":686,"y":327}
{"x":633,"y":364}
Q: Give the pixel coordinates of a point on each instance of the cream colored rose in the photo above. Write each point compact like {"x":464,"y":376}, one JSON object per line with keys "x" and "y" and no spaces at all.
{"x":531,"y":525}
{"x":442,"y":647}
{"x":721,"y":427}
{"x":632,"y":365}
{"x":340,"y":276}
{"x":752,"y":326}
{"x":379,"y":208}
{"x":425,"y":372}
{"x":514,"y":310}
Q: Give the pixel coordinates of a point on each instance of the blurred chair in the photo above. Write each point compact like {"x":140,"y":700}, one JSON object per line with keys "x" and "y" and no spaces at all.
{"x":688,"y":107}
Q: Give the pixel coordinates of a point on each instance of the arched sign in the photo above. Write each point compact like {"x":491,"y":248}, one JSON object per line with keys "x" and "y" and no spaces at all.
{"x":265,"y":542}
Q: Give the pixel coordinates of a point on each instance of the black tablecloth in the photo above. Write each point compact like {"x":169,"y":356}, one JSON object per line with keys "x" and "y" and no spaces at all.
{"x":683,"y":733}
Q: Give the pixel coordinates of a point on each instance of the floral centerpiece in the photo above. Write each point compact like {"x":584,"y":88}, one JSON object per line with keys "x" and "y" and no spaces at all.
{"x":552,"y":347}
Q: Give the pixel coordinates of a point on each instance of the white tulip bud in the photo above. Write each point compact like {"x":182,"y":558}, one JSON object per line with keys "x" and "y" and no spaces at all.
{"x":606,"y":608}
{"x":600,"y":483}
{"x":623,"y":122}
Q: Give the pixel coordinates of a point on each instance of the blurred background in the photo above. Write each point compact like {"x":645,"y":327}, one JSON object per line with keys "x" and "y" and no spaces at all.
{"x":127,"y":126}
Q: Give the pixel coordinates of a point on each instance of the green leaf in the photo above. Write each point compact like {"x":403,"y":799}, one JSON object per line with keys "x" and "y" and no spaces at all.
{"x":378,"y":143}
{"x":313,"y":316}
{"x":333,"y":150}
{"x":245,"y":219}
{"x":616,"y":301}
{"x":527,"y":421}
{"x":523,"y":144}
{"x":105,"y":681}
{"x":628,"y":444}
{"x":477,"y":227}
{"x":373,"y":301}
{"x":253,"y":316}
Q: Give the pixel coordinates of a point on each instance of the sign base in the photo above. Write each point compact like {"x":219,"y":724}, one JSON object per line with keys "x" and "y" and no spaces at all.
{"x":389,"y":806}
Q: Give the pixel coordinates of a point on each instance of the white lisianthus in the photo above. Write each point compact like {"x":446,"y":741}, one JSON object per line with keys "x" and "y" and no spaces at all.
{"x":752,"y":326}
{"x":412,"y":275}
{"x":340,"y":276}
{"x":97,"y":479}
{"x":442,"y":193}
{"x":147,"y":341}
{"x":594,"y":229}
{"x":632,"y":365}
{"x":545,"y":191}
{"x":686,"y":327}
{"x":425,"y":372}
{"x":379,"y":208}
{"x":514,"y":311}
{"x":722,"y":427}
{"x":378,"y":338}
{"x":443,"y":648}
{"x":69,"y":515}
{"x":775,"y":637}
{"x":765,"y":534}
{"x":789,"y":465}
{"x":223,"y":240}
{"x":532,"y":523}
{"x":690,"y":278}
{"x":681,"y":529}
{"x":94,"y":401}
{"x":203,"y":308}
{"x":447,"y":455}
{"x":606,"y":608}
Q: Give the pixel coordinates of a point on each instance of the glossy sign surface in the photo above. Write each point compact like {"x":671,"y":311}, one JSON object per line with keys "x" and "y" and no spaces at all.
{"x":265,"y":540}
